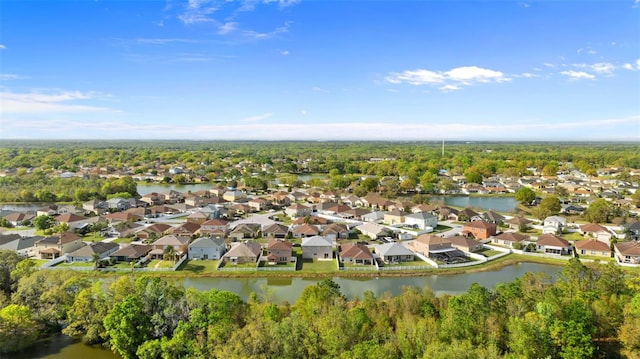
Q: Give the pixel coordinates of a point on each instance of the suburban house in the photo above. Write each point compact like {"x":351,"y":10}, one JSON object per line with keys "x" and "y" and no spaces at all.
{"x":207,"y":248}
{"x":554,"y":224}
{"x":23,"y":246}
{"x":373,"y":230}
{"x":57,"y":245}
{"x":518,"y":222}
{"x":275,"y":230}
{"x":627,"y":252}
{"x":335,"y":231}
{"x":198,"y":217}
{"x":428,"y":243}
{"x":155,"y":230}
{"x":448,"y":214}
{"x":315,"y":220}
{"x":597,"y":232}
{"x":356,"y":253}
{"x":179,"y":245}
{"x":279,"y":251}
{"x":509,"y":239}
{"x":215,"y":227}
{"x":468,"y":214}
{"x":592,"y":248}
{"x":118,"y":204}
{"x":465,"y":244}
{"x":99,"y":250}
{"x":125,"y":229}
{"x":95,"y":205}
{"x":49,"y":210}
{"x":234,"y":195}
{"x":187,"y":229}
{"x":552,"y":244}
{"x":422,"y":220}
{"x":259,"y":204}
{"x":298,"y":210}
{"x":18,"y":218}
{"x":633,"y":230}
{"x":394,"y":253}
{"x":317,"y":248}
{"x":356,"y":213}
{"x":130,"y":253}
{"x":479,"y":229}
{"x":119,"y":217}
{"x":153,"y":199}
{"x":493,"y":217}
{"x":246,"y":230}
{"x":373,"y":217}
{"x":394,"y":217}
{"x":244,"y":252}
{"x":305,"y":230}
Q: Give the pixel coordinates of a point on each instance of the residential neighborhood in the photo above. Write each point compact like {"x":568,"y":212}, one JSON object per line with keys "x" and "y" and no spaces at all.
{"x":237,"y":227}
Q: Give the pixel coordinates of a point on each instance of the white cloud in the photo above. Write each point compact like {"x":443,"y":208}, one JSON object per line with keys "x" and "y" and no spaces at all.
{"x":257,"y":118}
{"x":227,"y":27}
{"x":318,"y":89}
{"x":528,"y":75}
{"x":46,"y":103}
{"x":282,"y":3}
{"x":266,"y":35}
{"x":449,"y":88}
{"x":517,"y":129}
{"x":7,"y":77}
{"x":285,"y":52}
{"x":198,"y":11}
{"x":2,"y":47}
{"x":416,"y":77}
{"x":469,"y":74}
{"x":303,"y":112}
{"x":450,"y":80}
{"x":577,"y":75}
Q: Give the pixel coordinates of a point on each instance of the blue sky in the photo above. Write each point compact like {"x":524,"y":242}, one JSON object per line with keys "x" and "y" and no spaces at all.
{"x":320,"y":70}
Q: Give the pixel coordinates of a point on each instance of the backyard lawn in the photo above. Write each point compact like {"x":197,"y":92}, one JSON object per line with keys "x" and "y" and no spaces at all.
{"x":311,"y":266}
{"x":417,"y":263}
{"x":488,"y":252}
{"x":199,"y":266}
{"x":159,"y":263}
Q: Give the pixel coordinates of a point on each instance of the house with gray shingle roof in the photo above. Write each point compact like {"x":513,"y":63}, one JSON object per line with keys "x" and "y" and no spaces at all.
{"x":86,"y":253}
{"x":317,"y":248}
{"x":394,"y":253}
{"x":207,"y":248}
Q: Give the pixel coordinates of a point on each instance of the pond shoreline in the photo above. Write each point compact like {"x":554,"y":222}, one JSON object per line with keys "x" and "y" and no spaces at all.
{"x":499,"y":263}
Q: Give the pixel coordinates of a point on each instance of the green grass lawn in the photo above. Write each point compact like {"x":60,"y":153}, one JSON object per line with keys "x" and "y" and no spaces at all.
{"x":199,"y":266}
{"x":39,"y":262}
{"x":92,"y":237}
{"x":124,"y":240}
{"x":573,"y":236}
{"x":416,"y":263}
{"x":310,"y":266}
{"x":441,"y":228}
{"x":159,"y":263}
{"x":278,"y":265}
{"x":598,"y":258}
{"x":75,"y":264}
{"x":488,"y":252}
{"x":243,"y":265}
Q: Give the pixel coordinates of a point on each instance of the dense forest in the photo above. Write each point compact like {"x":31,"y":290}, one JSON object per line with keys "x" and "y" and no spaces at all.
{"x":587,"y":312}
{"x":31,"y":168}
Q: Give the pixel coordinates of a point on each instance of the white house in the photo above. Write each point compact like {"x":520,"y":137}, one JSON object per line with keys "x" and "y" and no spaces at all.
{"x":421,"y":220}
{"x":317,"y":248}
{"x":553,"y":224}
{"x":207,"y":248}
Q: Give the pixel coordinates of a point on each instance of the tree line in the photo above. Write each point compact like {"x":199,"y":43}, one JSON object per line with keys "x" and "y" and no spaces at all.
{"x":257,"y":163}
{"x":587,"y":312}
